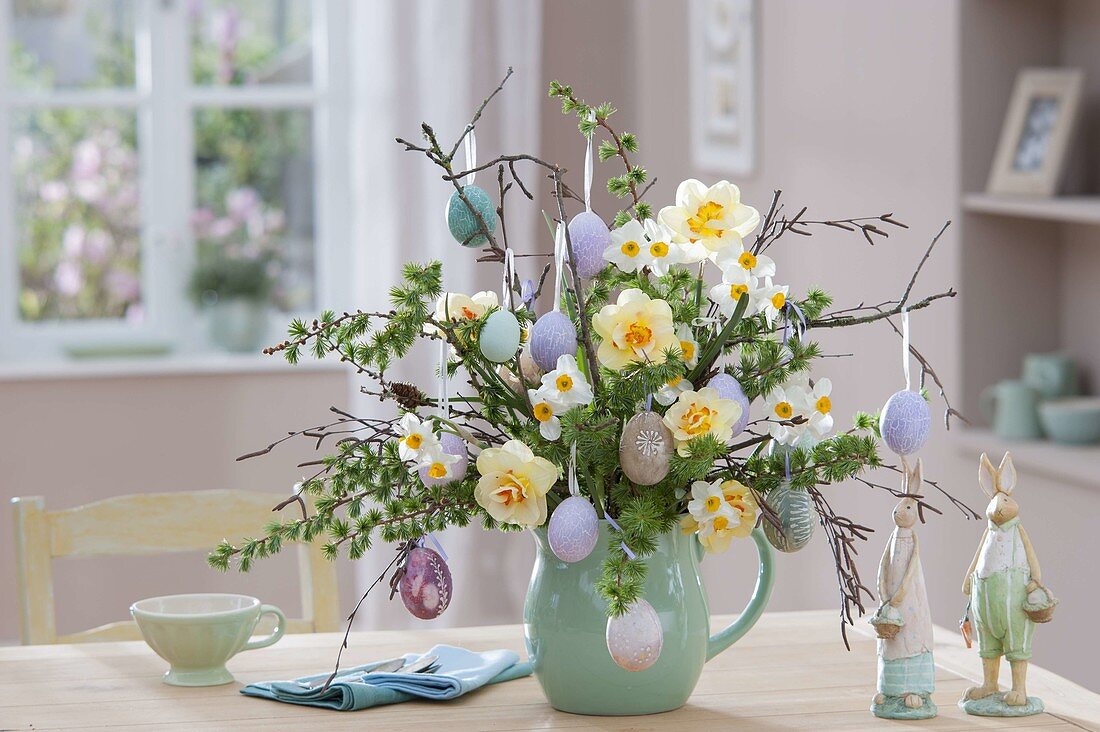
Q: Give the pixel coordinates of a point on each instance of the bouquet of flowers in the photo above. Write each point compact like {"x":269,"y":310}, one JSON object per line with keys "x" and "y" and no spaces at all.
{"x":668,"y":385}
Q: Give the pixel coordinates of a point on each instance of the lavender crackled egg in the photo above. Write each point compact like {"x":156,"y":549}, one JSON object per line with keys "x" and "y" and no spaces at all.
{"x":589,"y":236}
{"x":452,"y":445}
{"x":552,"y":335}
{"x":425,"y":587}
{"x":729,"y":388}
{"x":574,"y":529}
{"x":905,"y":422}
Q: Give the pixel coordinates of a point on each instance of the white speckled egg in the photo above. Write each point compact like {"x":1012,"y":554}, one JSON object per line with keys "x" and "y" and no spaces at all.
{"x":729,"y":388}
{"x":574,"y":529}
{"x":551,"y":336}
{"x":905,"y":422}
{"x":645,"y":449}
{"x":461,"y":219}
{"x":634,"y":639}
{"x":426,"y":585}
{"x":499,"y":336}
{"x":452,"y":445}
{"x":589,"y":236}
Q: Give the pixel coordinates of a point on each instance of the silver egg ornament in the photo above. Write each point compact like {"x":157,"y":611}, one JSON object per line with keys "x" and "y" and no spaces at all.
{"x":461,"y":220}
{"x":589,"y":236}
{"x":729,"y":388}
{"x":574,"y":529}
{"x":634,"y":639}
{"x":553,"y":335}
{"x":905,"y":422}
{"x":452,"y":444}
{"x":499,"y":337}
{"x":425,"y":587}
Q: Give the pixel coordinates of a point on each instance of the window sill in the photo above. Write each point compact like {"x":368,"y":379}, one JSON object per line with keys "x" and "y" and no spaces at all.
{"x":192,"y":364}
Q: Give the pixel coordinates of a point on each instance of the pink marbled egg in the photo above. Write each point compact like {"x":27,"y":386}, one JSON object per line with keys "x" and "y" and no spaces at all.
{"x":552,"y":335}
{"x":589,"y":236}
{"x":729,"y":388}
{"x":574,"y":529}
{"x":452,"y":445}
{"x":425,"y":587}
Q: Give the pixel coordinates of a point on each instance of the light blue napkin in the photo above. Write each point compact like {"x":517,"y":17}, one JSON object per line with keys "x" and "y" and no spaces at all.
{"x":460,"y":671}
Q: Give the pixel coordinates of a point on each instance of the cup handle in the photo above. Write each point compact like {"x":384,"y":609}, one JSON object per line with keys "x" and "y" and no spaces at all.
{"x":275,"y":636}
{"x":765,"y":580}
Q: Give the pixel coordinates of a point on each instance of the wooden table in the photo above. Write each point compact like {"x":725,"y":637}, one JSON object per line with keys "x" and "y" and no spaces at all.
{"x":790,"y":672}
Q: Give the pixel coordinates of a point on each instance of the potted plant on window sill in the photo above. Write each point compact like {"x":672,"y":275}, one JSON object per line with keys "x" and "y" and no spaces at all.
{"x":233,"y":292}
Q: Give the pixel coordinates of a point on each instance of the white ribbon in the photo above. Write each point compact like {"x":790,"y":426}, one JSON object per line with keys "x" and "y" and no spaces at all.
{"x":509,"y":277}
{"x":559,"y":264}
{"x":444,"y":400}
{"x":471,"y":156}
{"x":574,"y":485}
{"x":588,"y":166}
{"x":905,"y":344}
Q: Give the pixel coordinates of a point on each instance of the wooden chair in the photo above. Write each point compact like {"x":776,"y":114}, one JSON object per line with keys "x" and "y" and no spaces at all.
{"x":149,"y":524}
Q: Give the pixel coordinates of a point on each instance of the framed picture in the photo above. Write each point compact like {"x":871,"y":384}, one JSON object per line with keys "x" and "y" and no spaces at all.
{"x":1036,"y":132}
{"x":723,"y":86}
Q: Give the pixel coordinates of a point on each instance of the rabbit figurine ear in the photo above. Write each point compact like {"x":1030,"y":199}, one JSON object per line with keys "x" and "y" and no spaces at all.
{"x":987,"y":476}
{"x":913,"y":486}
{"x":1006,"y":475}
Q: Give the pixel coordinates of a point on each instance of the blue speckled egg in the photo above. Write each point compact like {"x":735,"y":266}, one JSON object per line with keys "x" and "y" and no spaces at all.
{"x":574,"y":529}
{"x":461,"y":220}
{"x":590,"y":237}
{"x":552,"y":335}
{"x":905,"y":422}
{"x":452,"y":445}
{"x":499,"y":337}
{"x":729,"y":388}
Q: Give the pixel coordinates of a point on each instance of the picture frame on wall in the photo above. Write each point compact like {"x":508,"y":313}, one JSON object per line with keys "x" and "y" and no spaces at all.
{"x":1037,"y":131}
{"x":723,"y":86}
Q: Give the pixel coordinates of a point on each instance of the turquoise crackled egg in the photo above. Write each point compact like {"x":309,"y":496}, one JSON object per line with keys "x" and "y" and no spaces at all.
{"x":589,"y":236}
{"x":905,"y":422}
{"x":729,"y":388}
{"x":552,"y":336}
{"x":461,"y":219}
{"x":499,"y":337}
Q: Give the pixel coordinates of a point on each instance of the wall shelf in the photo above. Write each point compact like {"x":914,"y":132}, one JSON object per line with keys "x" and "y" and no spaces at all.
{"x":1066,"y":209}
{"x":1073,"y":464}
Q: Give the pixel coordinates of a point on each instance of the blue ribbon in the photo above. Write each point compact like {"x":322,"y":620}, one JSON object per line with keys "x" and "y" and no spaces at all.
{"x":615,"y":525}
{"x":436,"y":544}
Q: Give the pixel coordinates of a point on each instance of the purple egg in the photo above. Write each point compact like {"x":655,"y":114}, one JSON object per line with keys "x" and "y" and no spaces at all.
{"x":426,"y":585}
{"x":552,"y":335}
{"x":590,"y":237}
{"x":905,"y":422}
{"x":729,"y":388}
{"x":574,"y":529}
{"x":452,"y":445}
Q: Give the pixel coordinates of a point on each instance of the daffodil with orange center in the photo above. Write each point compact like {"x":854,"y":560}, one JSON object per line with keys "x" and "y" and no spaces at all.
{"x":712,"y":216}
{"x":514,"y":483}
{"x":635,"y":328}
{"x":699,"y":413}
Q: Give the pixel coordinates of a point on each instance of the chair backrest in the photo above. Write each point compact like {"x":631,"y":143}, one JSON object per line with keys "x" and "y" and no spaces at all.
{"x":152,"y":523}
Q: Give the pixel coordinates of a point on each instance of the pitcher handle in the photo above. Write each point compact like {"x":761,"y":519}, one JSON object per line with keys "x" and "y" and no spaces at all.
{"x":765,"y":580}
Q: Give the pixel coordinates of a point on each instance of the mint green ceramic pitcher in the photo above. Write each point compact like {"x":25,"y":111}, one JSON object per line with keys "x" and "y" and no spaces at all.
{"x":565,"y":621}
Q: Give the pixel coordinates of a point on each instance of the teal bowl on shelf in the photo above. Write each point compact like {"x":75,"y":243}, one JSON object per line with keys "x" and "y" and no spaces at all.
{"x":1074,"y":421}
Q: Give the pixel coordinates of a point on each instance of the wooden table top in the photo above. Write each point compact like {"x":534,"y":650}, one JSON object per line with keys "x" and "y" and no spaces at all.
{"x":790,"y":672}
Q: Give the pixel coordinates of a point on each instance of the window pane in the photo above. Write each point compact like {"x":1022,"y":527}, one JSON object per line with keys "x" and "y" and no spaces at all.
{"x":251,"y":41}
{"x":254,"y":195}
{"x":77,"y":214}
{"x":62,"y":44}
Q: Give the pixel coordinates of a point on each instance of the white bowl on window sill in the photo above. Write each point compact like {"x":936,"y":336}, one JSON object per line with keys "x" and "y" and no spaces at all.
{"x":237,"y":324}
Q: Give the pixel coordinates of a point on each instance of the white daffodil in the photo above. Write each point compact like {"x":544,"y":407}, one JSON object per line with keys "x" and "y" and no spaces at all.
{"x":708,"y":503}
{"x":821,"y":407}
{"x":629,"y":250}
{"x":716,"y":534}
{"x":546,"y":409}
{"x":736,"y":284}
{"x":771,"y":299}
{"x":437,"y":462}
{"x":566,"y":384}
{"x":689,"y":347}
{"x":671,"y":391}
{"x":662,"y":251}
{"x":698,"y":413}
{"x":713,"y":217}
{"x":757,"y":265}
{"x":784,"y":404}
{"x":416,"y":437}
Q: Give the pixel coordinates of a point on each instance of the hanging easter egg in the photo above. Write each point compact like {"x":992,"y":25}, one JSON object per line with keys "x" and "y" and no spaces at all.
{"x":462,"y":221}
{"x":574,"y":529}
{"x":645,"y":449}
{"x":905,"y":422}
{"x":552,"y":335}
{"x":425,"y":587}
{"x":795,"y":512}
{"x":499,"y":336}
{"x":452,"y":444}
{"x":729,"y":388}
{"x":527,"y":366}
{"x":634,"y":639}
{"x":589,"y":236}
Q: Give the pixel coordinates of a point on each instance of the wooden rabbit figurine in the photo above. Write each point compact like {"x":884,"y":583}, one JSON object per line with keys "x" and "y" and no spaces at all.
{"x":1004,"y":572}
{"x":906,"y":672}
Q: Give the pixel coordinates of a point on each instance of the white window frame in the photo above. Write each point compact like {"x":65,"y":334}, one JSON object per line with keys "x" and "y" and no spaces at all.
{"x":165,"y":113}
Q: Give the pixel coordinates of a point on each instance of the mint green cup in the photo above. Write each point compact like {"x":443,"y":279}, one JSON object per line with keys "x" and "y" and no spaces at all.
{"x":196,"y":634}
{"x":565,"y":622}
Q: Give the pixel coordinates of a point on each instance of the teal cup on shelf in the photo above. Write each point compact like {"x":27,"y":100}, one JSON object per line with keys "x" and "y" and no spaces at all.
{"x":1051,"y":375}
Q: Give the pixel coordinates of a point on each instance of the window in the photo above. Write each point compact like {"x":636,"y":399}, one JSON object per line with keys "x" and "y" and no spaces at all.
{"x":139,"y":138}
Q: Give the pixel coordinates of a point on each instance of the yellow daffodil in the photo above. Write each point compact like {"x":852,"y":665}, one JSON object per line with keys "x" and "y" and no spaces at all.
{"x":635,"y":328}
{"x":514,"y":483}
{"x":458,"y":307}
{"x":689,"y":347}
{"x":713,"y":217}
{"x":698,"y":413}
